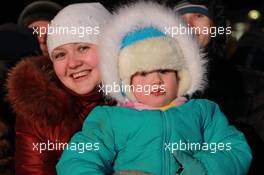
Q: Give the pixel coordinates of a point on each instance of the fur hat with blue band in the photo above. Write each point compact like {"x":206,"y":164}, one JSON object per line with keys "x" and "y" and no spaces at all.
{"x":130,"y":43}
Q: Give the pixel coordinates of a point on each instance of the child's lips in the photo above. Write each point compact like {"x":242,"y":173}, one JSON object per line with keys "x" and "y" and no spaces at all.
{"x":158,"y":93}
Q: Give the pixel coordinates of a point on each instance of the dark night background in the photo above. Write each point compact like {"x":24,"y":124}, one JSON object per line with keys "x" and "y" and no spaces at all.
{"x":249,"y":95}
{"x":235,"y":10}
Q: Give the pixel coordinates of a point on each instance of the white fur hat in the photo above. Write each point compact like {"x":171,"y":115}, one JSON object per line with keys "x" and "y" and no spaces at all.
{"x":75,"y":23}
{"x":124,"y":50}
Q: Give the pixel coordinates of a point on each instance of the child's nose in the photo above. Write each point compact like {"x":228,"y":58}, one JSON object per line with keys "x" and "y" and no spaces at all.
{"x":157,"y":79}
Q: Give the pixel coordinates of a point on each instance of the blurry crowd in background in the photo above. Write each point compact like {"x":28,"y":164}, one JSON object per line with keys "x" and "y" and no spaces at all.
{"x":236,"y":66}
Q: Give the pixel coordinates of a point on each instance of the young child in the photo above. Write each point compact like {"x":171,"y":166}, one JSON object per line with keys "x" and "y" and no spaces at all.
{"x":154,"y":130}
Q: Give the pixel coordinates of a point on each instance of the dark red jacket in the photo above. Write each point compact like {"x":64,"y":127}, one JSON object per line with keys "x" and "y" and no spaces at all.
{"x":47,"y":114}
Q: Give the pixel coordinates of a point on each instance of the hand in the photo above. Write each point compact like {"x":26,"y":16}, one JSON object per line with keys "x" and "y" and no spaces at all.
{"x":190,"y":165}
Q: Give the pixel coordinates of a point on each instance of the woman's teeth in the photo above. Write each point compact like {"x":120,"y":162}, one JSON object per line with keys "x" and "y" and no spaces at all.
{"x":80,"y":74}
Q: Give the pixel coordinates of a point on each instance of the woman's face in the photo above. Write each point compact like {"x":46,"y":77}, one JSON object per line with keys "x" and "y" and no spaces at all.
{"x":198,"y":20}
{"x":76,"y":65}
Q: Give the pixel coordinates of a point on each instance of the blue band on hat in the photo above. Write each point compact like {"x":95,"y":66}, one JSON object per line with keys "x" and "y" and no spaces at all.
{"x":191,"y":8}
{"x":138,"y":35}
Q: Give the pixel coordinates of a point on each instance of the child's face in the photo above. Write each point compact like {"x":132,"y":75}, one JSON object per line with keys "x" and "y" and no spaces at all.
{"x":163,"y":85}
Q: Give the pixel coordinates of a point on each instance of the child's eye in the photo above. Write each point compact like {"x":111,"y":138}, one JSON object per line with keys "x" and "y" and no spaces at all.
{"x":143,"y":74}
{"x":58,"y":56}
{"x":164,"y":71}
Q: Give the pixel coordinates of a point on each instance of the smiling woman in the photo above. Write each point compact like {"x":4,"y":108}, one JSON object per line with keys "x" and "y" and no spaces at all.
{"x":52,"y":97}
{"x":76,"y":66}
{"x":75,"y":58}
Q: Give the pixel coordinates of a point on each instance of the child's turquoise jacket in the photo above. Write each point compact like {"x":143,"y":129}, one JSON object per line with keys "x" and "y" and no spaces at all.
{"x":120,"y":138}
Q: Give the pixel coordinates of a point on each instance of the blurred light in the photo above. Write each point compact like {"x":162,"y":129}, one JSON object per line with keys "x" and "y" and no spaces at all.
{"x":239,"y":30}
{"x":239,"y":26}
{"x":254,"y":14}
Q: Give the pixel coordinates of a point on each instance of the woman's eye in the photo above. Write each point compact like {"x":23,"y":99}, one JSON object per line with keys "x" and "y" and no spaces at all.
{"x":83,"y":48}
{"x":59,"y":56}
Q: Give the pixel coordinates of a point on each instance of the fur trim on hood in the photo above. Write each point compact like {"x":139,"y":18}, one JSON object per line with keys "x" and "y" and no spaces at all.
{"x":34,"y":92}
{"x":137,"y":16}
